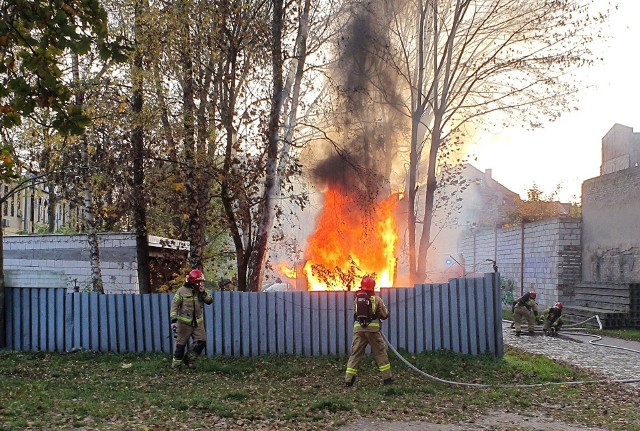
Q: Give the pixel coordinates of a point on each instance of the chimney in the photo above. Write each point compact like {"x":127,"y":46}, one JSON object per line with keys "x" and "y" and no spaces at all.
{"x":487,"y":175}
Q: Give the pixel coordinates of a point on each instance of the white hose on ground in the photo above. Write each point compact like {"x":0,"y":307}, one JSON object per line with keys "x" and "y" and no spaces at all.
{"x":533,"y":385}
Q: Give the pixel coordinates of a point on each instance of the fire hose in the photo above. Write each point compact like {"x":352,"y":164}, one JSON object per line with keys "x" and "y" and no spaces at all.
{"x":532,"y":385}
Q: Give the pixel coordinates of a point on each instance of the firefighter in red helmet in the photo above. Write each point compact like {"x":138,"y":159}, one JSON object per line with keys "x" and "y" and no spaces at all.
{"x":368,"y":312}
{"x":526,"y":308}
{"x":187,"y":319}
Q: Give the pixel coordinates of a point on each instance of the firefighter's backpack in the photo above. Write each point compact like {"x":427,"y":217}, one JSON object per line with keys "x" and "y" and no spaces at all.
{"x":364,"y":313}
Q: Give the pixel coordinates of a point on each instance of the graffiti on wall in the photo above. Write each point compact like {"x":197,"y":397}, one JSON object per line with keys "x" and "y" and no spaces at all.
{"x":615,"y":265}
{"x":506,"y":291}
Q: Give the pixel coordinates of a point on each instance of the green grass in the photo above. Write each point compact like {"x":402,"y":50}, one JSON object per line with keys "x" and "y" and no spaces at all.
{"x":142,"y":392}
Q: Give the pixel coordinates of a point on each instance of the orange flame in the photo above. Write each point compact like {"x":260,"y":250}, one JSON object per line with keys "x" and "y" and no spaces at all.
{"x":349,"y":243}
{"x":285,"y":270}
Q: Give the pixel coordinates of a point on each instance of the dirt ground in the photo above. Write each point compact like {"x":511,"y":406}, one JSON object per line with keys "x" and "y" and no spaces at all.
{"x":496,"y":421}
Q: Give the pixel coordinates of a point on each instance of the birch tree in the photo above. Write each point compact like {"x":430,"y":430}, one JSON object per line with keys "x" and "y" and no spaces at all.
{"x":89,"y":216}
{"x":294,"y":95}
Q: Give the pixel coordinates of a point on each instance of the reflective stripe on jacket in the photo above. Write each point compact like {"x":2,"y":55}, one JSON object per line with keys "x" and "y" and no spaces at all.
{"x":187,"y":305}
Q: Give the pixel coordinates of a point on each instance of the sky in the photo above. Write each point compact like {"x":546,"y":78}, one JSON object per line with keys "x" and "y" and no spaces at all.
{"x":568,"y":151}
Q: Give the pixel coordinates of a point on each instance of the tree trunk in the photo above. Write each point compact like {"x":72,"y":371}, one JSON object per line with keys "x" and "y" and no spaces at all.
{"x":137,"y":150}
{"x":3,"y":339}
{"x":51,"y":209}
{"x":188,"y":126}
{"x":275,"y":169}
{"x":94,"y":251}
{"x":417,"y":114}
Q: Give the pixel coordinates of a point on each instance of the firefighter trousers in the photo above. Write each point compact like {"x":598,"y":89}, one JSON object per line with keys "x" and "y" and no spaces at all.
{"x":378,"y":350}
{"x":521,"y":313}
{"x":183,"y":333}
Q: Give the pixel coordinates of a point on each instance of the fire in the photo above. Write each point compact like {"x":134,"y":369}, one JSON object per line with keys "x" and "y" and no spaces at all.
{"x":285,"y":270}
{"x":349,"y":243}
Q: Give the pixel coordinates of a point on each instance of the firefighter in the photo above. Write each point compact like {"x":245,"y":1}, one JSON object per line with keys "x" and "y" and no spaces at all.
{"x":525,"y":307}
{"x":552,"y":319}
{"x":187,"y":320}
{"x":368,"y":312}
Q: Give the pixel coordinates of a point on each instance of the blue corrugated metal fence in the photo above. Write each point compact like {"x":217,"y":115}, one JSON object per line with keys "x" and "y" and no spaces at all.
{"x":462,"y":316}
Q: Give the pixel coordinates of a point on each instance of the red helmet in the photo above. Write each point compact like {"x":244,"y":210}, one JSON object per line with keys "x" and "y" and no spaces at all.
{"x":367,"y":283}
{"x":532,"y":295}
{"x":558,"y":305}
{"x":195,"y":275}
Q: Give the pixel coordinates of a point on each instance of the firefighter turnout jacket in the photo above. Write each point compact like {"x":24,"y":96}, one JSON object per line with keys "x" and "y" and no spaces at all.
{"x":552,"y":318}
{"x":188,"y":305}
{"x":379,"y":312}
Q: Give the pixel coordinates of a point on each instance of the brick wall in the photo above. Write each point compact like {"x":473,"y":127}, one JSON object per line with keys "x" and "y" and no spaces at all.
{"x":549,"y":262}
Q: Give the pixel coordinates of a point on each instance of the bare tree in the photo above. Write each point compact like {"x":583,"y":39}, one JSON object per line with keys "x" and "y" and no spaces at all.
{"x":464,"y":60}
{"x":279,"y":136}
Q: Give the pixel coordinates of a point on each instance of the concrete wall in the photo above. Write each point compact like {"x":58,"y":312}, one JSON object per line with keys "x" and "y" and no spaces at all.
{"x":620,"y":149}
{"x":549,"y":263}
{"x":63,"y":261}
{"x":611,"y":227}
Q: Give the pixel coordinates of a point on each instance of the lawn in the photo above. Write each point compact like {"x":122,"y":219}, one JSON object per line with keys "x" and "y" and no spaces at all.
{"x":141,"y":392}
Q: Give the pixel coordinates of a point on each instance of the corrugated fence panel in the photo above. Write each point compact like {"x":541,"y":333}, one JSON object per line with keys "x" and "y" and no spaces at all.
{"x":389,"y":327}
{"x":60,"y":295}
{"x":491,"y":282}
{"x":68,"y":322}
{"x":306,"y":325}
{"x":482,"y":320}
{"x":250,"y":322}
{"x":244,"y":330}
{"x":148,"y":323}
{"x":437,"y":317}
{"x":315,"y":325}
{"x":455,"y":316}
{"x":281,"y":348}
{"x":26,"y":320}
{"x":427,"y":301}
{"x":236,"y":317}
{"x":463,"y":316}
{"x":44,"y":320}
{"x":137,"y":318}
{"x":402,"y":318}
{"x":227,"y":324}
{"x":112,"y":324}
{"x":296,"y":323}
{"x":103,"y":317}
{"x":472,"y":320}
{"x":322,"y":323}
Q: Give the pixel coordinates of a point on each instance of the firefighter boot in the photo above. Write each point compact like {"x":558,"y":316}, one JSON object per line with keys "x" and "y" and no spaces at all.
{"x":189,"y":360}
{"x":389,"y":380}
{"x":518,"y":333}
{"x":350,"y":383}
{"x":178,"y":356}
